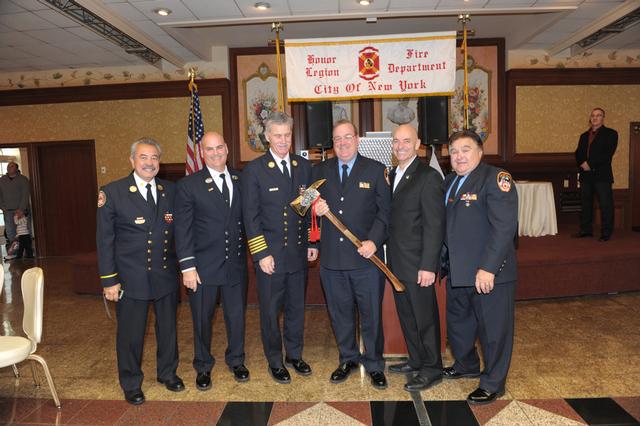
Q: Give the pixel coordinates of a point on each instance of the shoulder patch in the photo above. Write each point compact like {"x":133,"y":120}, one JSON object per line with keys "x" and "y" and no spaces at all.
{"x":504,"y":181}
{"x":102,"y":199}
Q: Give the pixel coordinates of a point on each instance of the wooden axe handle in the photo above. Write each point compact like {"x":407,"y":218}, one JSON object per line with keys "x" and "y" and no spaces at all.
{"x":375,"y":259}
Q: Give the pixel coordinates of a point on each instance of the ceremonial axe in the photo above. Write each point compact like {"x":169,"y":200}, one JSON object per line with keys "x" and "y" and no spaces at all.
{"x":311,"y":194}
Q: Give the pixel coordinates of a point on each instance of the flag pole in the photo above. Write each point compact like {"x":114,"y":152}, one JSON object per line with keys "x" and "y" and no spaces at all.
{"x":277,"y":27}
{"x":192,"y":85}
{"x":464,"y":19}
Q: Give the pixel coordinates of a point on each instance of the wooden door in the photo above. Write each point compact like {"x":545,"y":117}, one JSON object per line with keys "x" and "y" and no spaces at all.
{"x":65,"y":198}
{"x":634,"y":174}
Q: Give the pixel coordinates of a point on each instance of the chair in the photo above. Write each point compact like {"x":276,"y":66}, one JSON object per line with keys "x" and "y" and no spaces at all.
{"x":15,"y":349}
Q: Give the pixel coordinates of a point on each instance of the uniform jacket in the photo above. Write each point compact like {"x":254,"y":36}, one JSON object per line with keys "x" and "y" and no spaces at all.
{"x":481,"y":224}
{"x":136,"y":246}
{"x":209,"y":233}
{"x":416,"y":227}
{"x":600,"y":154}
{"x":272,"y":226}
{"x":363,"y":207}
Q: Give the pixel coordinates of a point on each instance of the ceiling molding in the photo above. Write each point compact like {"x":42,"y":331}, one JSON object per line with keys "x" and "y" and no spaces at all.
{"x":608,"y":18}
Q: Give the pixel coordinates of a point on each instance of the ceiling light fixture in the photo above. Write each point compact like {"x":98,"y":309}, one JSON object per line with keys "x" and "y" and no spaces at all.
{"x":163,"y":11}
{"x":364,"y":2}
{"x":262,"y":5}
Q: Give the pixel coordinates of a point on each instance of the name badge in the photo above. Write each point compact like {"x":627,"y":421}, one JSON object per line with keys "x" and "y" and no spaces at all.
{"x":274,"y":189}
{"x":139,"y":220}
{"x":364,"y":185}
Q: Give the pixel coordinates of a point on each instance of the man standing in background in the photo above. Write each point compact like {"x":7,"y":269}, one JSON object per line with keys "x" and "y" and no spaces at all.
{"x":593,"y":158}
{"x":15,"y":192}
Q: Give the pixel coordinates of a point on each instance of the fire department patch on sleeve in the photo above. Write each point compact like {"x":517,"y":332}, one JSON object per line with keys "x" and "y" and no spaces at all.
{"x":504,"y":180}
{"x":102,"y":198}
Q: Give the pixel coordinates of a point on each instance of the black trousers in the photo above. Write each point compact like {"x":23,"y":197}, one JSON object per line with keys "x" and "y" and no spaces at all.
{"x":488,"y":317}
{"x":203,"y":307}
{"x":26,"y":246}
{"x":345,"y":291}
{"x":132,"y":323}
{"x":588,"y":188}
{"x":418,"y":313}
{"x":281,"y":292}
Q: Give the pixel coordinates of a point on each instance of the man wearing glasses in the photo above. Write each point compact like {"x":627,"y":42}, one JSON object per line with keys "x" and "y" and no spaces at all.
{"x":358,"y":194}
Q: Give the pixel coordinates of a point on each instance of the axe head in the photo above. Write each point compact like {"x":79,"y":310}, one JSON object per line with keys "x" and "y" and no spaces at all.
{"x":308,"y":196}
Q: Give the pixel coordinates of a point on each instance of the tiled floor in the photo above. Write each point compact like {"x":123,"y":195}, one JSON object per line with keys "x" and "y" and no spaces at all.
{"x":576,"y":361}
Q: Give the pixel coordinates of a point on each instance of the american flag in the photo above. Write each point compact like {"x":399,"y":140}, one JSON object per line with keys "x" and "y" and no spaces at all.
{"x":195,"y":132}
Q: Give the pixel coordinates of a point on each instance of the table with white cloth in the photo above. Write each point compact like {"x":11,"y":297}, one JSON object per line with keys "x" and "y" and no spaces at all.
{"x":536,"y":209}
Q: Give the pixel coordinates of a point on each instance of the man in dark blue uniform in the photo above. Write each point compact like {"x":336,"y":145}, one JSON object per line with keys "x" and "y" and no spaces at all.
{"x":481,"y":225}
{"x":416,"y":231}
{"x":358,"y":194}
{"x":212,"y":256}
{"x":278,"y":242}
{"x":593,"y":158}
{"x":137,"y":266}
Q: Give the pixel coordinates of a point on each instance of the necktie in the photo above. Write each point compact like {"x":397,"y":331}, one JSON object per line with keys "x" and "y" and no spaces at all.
{"x":345,"y":175}
{"x":150,"y":200}
{"x":225,"y":189}
{"x":454,"y":189}
{"x":285,"y":170}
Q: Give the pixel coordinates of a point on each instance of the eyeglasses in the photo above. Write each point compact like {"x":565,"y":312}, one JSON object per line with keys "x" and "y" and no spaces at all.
{"x":346,"y":138}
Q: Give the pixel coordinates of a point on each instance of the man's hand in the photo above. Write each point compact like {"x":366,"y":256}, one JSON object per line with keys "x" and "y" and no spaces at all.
{"x":426,"y":278}
{"x":268,"y":265}
{"x":484,"y":281}
{"x":312,"y":254}
{"x":367,"y":249}
{"x":321,"y":207}
{"x":112,"y":293}
{"x":191,"y":279}
{"x":585,"y":166}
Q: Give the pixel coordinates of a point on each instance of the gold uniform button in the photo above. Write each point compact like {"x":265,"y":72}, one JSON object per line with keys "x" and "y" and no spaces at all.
{"x":149,"y":268}
{"x":165,"y":250}
{"x":164,"y":267}
{"x":285,"y":244}
{"x":285,"y":213}
{"x":285,"y":229}
{"x":149,"y":259}
{"x":149,"y":251}
{"x":286,"y":223}
{"x":166,"y":232}
{"x":166,"y":241}
{"x":150,"y":233}
{"x":149,"y":242}
{"x":164,"y":258}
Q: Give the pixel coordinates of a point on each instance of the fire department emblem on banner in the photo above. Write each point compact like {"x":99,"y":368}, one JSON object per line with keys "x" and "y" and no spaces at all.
{"x":369,"y":63}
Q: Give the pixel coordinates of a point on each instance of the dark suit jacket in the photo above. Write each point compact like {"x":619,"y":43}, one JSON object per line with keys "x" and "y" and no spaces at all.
{"x":480,"y":232}
{"x":135,"y":246}
{"x":363,"y":207}
{"x":416,"y":228}
{"x":272,"y":226}
{"x":600,"y":154}
{"x":209,"y":234}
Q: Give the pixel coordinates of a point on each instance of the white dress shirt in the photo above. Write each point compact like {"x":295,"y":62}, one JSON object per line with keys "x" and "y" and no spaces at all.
{"x":142,"y":187}
{"x":218,"y":180}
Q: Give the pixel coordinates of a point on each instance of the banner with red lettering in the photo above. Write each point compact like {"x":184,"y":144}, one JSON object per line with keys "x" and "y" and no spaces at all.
{"x":371,"y":67}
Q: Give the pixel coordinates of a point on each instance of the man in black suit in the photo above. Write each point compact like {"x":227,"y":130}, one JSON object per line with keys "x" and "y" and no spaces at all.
{"x":212,"y":256}
{"x":137,"y":264}
{"x":593,"y":158}
{"x":358,"y":194}
{"x":278,"y":242}
{"x":416,"y":231}
{"x":479,"y":253}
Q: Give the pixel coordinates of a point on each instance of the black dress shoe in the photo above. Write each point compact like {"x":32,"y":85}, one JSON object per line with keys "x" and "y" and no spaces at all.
{"x":301,"y":367}
{"x":203,"y":381}
{"x":582,"y":235}
{"x":135,"y":397}
{"x":280,"y":375}
{"x":378,"y":380}
{"x":420,"y":383}
{"x":240,"y":373}
{"x":402,"y":368}
{"x":452,"y":373}
{"x":604,"y":238}
{"x":175,"y":384}
{"x":481,"y":396}
{"x":342,"y":372}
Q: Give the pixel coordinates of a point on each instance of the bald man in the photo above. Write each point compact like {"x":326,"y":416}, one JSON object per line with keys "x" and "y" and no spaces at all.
{"x":212,"y":255}
{"x":416,"y":232}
